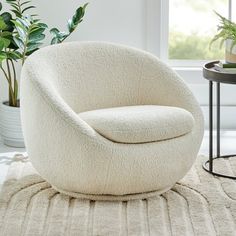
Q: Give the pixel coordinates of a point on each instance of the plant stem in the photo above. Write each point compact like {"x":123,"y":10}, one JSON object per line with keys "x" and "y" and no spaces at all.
{"x":25,"y":48}
{"x":67,"y":36}
{"x":5,"y":73}
{"x":12,"y":101}
{"x":64,"y":38}
{"x":9,"y":84}
{"x":19,"y":6}
{"x":15,"y":82}
{"x":14,"y":70}
{"x":23,"y":58}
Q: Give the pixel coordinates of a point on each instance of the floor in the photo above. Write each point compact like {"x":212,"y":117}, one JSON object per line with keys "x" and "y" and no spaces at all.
{"x":228,"y":146}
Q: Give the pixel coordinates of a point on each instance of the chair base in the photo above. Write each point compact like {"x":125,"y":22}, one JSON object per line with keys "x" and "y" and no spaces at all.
{"x":101,"y":197}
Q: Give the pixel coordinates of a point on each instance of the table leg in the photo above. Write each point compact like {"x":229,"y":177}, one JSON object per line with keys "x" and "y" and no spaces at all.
{"x":210,"y":126}
{"x":218,"y":120}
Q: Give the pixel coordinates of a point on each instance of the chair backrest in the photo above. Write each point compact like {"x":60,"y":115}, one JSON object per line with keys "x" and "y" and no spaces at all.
{"x":93,"y":75}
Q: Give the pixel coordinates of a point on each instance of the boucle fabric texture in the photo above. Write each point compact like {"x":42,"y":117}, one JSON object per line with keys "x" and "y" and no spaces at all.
{"x":199,"y":204}
{"x":140,"y":124}
{"x":58,"y":82}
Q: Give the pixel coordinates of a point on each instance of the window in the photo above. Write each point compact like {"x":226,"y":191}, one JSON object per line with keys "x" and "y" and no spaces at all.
{"x":192,"y":25}
{"x":179,"y":31}
{"x":232,"y":13}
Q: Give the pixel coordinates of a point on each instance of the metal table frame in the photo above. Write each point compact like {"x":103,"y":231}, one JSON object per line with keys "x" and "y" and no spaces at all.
{"x":218,"y":77}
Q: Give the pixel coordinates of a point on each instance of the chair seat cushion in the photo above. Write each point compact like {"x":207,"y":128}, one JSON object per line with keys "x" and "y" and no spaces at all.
{"x":139,"y":124}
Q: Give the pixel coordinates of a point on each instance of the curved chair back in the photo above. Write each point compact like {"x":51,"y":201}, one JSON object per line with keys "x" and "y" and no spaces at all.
{"x":94,"y":75}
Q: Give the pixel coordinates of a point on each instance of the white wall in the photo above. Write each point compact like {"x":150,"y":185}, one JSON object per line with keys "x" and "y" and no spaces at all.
{"x":110,"y":20}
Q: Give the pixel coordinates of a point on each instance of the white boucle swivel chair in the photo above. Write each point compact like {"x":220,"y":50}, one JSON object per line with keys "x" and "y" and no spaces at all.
{"x":109,"y":122}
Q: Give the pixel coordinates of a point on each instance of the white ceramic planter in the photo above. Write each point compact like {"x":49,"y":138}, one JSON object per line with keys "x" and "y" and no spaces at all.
{"x":11,"y":130}
{"x":230,"y":56}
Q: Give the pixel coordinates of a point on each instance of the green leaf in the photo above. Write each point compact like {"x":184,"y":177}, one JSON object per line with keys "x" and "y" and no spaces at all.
{"x":21,"y":24}
{"x":85,"y":6}
{"x":15,"y":7}
{"x":42,"y":25}
{"x":29,"y":53}
{"x":62,"y":35}
{"x":2,"y":25}
{"x":27,"y":8}
{"x":6,"y":42}
{"x":19,"y":43}
{"x":5,"y":34}
{"x":24,"y":3}
{"x":19,"y":7}
{"x":16,"y":13}
{"x":72,"y":23}
{"x":54,"y":40}
{"x":77,"y":17}
{"x":25,"y":21}
{"x":1,"y":45}
{"x":37,"y":31}
{"x":32,"y":46}
{"x":3,"y":57}
{"x":30,"y":34}
{"x":11,"y":0}
{"x":226,"y":30}
{"x":14,"y":55}
{"x":7,"y":17}
{"x":36,"y":37}
{"x":21,"y":29}
{"x":54,"y":31}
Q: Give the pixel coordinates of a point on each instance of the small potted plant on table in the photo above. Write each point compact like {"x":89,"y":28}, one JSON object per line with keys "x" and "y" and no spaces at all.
{"x":227,"y":34}
{"x":21,"y":34}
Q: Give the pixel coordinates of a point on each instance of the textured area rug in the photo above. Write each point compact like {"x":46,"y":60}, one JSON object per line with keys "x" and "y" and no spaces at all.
{"x":200,"y":204}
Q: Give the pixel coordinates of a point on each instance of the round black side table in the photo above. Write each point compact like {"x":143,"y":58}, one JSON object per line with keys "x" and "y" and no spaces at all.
{"x":212,"y":75}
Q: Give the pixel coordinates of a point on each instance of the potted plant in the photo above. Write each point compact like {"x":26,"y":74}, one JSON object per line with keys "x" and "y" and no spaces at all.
{"x":227,"y":34}
{"x":21,"y":34}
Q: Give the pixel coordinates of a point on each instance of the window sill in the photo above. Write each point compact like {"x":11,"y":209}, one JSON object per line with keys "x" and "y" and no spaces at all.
{"x":189,"y":69}
{"x":192,"y":75}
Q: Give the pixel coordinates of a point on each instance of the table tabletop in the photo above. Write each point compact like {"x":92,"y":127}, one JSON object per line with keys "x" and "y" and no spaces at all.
{"x":211,"y":74}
